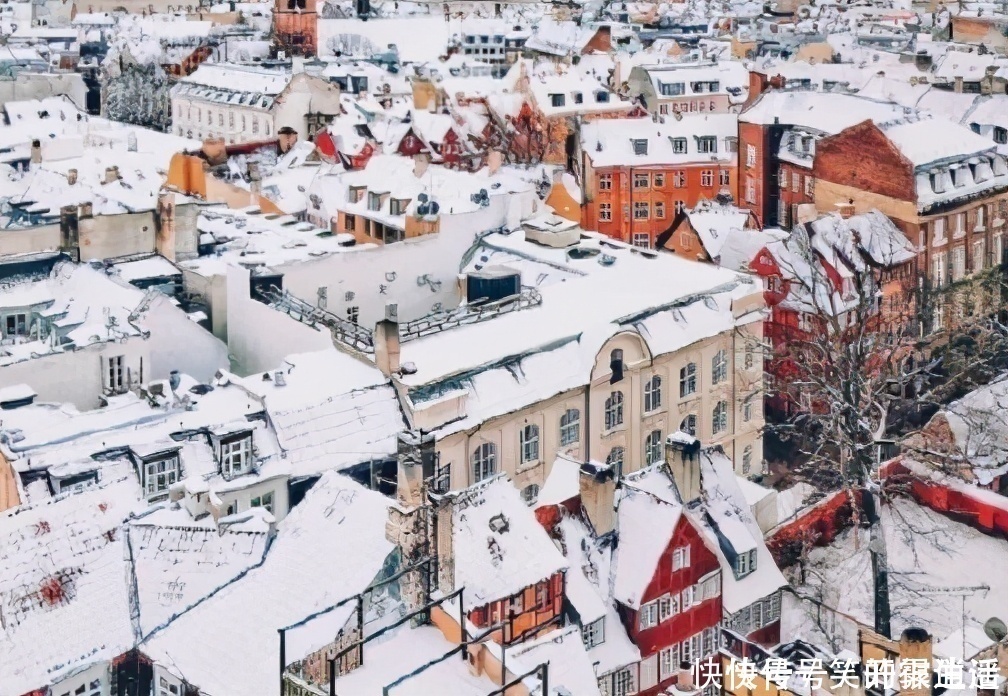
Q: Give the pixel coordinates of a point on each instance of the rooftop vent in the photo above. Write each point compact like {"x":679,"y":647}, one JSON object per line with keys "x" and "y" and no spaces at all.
{"x":492,"y":284}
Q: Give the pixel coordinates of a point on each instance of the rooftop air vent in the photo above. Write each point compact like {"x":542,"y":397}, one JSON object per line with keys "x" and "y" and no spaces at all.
{"x":492,"y":284}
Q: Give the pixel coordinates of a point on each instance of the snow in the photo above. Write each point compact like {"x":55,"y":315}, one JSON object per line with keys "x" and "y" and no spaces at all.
{"x":143,"y":269}
{"x":570,"y":666}
{"x":79,"y":535}
{"x":562,"y":484}
{"x":928,"y":556}
{"x":646,"y":525}
{"x":610,"y":142}
{"x":927,"y":141}
{"x":16,"y":392}
{"x":714,"y":222}
{"x":980,"y":430}
{"x":336,"y":534}
{"x":825,"y":112}
{"x":418,"y":39}
{"x":496,"y":564}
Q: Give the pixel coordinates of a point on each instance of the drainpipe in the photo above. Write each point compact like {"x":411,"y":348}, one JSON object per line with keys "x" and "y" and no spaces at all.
{"x":587,"y":421}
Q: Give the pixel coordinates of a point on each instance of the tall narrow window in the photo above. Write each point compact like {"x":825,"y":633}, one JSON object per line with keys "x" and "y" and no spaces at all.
{"x":116,"y":373}
{"x":570,"y":427}
{"x":654,"y":450}
{"x":719,"y":367}
{"x":484,"y":461}
{"x":530,"y":444}
{"x":614,"y":410}
{"x":719,"y":418}
{"x":652,"y":394}
{"x":687,"y":380}
{"x":615,"y":460}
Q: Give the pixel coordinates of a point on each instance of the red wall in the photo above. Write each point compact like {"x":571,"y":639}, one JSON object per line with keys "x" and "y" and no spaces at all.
{"x":818,"y":525}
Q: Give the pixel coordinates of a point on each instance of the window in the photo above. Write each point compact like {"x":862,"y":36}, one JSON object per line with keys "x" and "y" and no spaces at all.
{"x":255,"y":126}
{"x":116,"y":373}
{"x":353,"y":314}
{"x":998,"y":253}
{"x":653,"y":447}
{"x":724,"y":177}
{"x":809,"y":186}
{"x":642,"y":239}
{"x":167,"y":686}
{"x":614,"y":410}
{"x":484,"y":461}
{"x":530,"y":494}
{"x":938,"y":270}
{"x":235,"y":455}
{"x":938,"y":229}
{"x":958,"y":263}
{"x":530,"y":444}
{"x":750,"y":190}
{"x":707,"y":144}
{"x":687,"y":380}
{"x":558,"y":99}
{"x":659,"y":180}
{"x":640,"y":210}
{"x":719,"y":418}
{"x":783,"y":178}
{"x":648,"y":672}
{"x":747,"y":459}
{"x":615,"y":460}
{"x":679,"y":179}
{"x":374,"y":201}
{"x":570,"y":427}
{"x":659,"y":210}
{"x":667,"y":607}
{"x":747,"y":411}
{"x":625,"y":682}
{"x":231,"y":120}
{"x":687,"y":598}
{"x":672,"y":89}
{"x":757,"y":615}
{"x":960,"y":224}
{"x":652,"y":394}
{"x":640,"y":146}
{"x":209,"y":117}
{"x":1000,"y":135}
{"x":750,"y":155}
{"x":719,"y":367}
{"x":978,"y":256}
{"x":641,"y":181}
{"x":92,"y":688}
{"x":159,"y":474}
{"x":680,"y":558}
{"x":593,"y":634}
{"x":708,"y":640}
{"x":605,"y":182}
{"x":648,"y":615}
{"x":707,"y":177}
{"x":745,"y":563}
{"x":605,"y":212}
{"x":795,"y":182}
{"x":679,"y":146}
{"x":666,"y":664}
{"x":220,"y":119}
{"x":543,"y":597}
{"x":265,"y":501}
{"x":688,"y":425}
{"x":680,"y":206}
{"x":16,"y":324}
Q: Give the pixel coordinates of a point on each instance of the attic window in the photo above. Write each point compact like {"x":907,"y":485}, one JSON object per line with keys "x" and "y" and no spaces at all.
{"x":1000,"y":135}
{"x":398,"y":206}
{"x":602,"y":96}
{"x":640,"y":146}
{"x":374,"y":201}
{"x":499,"y":524}
{"x":236,"y":455}
{"x":578,"y":97}
{"x":745,"y":563}
{"x":616,"y":365}
{"x":558,"y":99}
{"x":707,"y":144}
{"x":356,"y":193}
{"x":158,"y":473}
{"x":678,"y":146}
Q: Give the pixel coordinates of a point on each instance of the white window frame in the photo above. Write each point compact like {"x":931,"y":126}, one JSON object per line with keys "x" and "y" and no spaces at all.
{"x":605,"y":212}
{"x":115,"y":370}
{"x":648,"y":672}
{"x":719,"y":418}
{"x":614,"y":410}
{"x":642,"y":240}
{"x":570,"y":427}
{"x":750,"y":155}
{"x":483,"y":461}
{"x":265,"y":501}
{"x":687,"y":598}
{"x":653,"y":394}
{"x":20,"y":322}
{"x":680,"y":557}
{"x":593,"y":634}
{"x":159,"y":474}
{"x":647,"y":617}
{"x":654,"y":448}
{"x":530,"y":494}
{"x":236,"y":456}
{"x":687,"y":380}
{"x":719,"y":367}
{"x":529,"y":443}
{"x":625,"y":681}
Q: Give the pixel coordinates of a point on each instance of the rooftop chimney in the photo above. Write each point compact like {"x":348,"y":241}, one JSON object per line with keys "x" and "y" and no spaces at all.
{"x":111,"y":174}
{"x":71,"y":176}
{"x":495,"y":158}
{"x":386,"y":341}
{"x":36,"y":152}
{"x":597,"y":485}
{"x":682,"y":454}
{"x":421,"y":161}
{"x":847,"y":209}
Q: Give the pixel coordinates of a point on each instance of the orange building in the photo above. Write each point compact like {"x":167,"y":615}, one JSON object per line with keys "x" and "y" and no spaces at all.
{"x":637,"y":174}
{"x":295,"y":27}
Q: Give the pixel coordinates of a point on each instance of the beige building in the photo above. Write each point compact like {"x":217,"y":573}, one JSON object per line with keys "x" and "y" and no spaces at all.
{"x":602,"y":360}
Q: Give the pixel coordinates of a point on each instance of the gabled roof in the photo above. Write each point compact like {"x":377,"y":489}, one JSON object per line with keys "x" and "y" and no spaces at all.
{"x":499,"y":547}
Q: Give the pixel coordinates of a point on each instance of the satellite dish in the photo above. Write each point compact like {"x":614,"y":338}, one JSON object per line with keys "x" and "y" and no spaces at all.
{"x":995,"y":629}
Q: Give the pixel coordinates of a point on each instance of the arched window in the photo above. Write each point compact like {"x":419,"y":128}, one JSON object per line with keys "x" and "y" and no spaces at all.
{"x":530,"y":494}
{"x":652,"y":394}
{"x":484,"y":461}
{"x":719,"y":418}
{"x":747,"y":459}
{"x":615,"y":460}
{"x":654,"y":450}
{"x":570,"y":427}
{"x":688,"y":425}
{"x":614,"y":410}
{"x":687,"y":380}
{"x":530,"y":444}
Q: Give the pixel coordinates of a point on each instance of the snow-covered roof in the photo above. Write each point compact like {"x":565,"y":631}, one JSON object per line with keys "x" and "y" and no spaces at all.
{"x":646,"y":523}
{"x":727,"y":514}
{"x":336,"y":534}
{"x":979,"y":428}
{"x":825,"y":112}
{"x":870,"y":233}
{"x":63,"y":572}
{"x":713,"y":222}
{"x":499,"y":547}
{"x":570,"y":666}
{"x":615,"y":142}
{"x":927,"y":141}
{"x":562,"y":483}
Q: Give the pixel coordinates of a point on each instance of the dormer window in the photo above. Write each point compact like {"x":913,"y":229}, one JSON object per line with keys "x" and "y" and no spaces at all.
{"x":578,"y":97}
{"x":593,"y":634}
{"x":398,"y":206}
{"x":558,"y":100}
{"x":602,"y":97}
{"x":1000,"y":135}
{"x":356,"y":193}
{"x":640,"y":146}
{"x":158,"y":473}
{"x":374,"y":201}
{"x":745,"y":563}
{"x":236,"y":455}
{"x":679,"y":146}
{"x":616,"y":365}
{"x":707,"y":144}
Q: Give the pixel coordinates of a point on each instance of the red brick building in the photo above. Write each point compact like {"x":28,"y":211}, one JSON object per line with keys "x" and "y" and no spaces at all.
{"x":636,"y":175}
